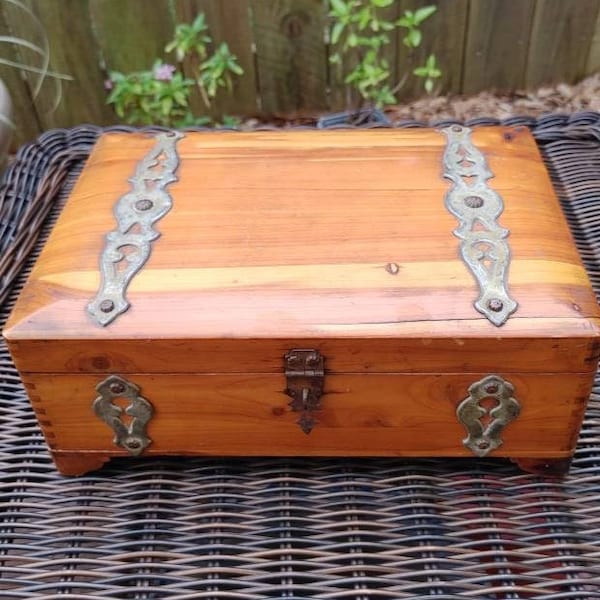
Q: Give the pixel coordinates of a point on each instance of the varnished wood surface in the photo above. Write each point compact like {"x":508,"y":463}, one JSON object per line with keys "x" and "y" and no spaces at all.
{"x":287,"y":236}
{"x":430,"y":353}
{"x":378,"y":415}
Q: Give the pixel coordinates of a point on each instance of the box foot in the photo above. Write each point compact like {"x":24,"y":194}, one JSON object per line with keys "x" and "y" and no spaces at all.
{"x":553,"y":467}
{"x":78,"y":463}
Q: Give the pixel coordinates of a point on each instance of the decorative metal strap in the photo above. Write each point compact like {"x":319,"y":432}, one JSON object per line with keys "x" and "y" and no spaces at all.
{"x":484,"y":425}
{"x":133,"y":436}
{"x":127,"y":248}
{"x":478,"y":207}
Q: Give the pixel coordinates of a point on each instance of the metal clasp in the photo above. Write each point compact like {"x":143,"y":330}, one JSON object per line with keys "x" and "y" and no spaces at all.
{"x":305,"y":377}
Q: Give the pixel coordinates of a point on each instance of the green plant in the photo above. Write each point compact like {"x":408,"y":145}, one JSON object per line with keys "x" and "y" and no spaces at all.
{"x":162,"y":95}
{"x":360,"y":31}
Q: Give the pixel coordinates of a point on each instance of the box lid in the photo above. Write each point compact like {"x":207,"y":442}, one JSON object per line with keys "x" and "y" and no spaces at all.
{"x":339,"y":240}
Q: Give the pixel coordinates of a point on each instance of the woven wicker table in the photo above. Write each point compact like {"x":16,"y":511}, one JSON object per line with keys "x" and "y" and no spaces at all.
{"x":289,"y":528}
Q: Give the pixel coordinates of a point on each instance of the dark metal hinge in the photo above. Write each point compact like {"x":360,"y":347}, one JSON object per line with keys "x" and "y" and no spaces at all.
{"x":305,"y":377}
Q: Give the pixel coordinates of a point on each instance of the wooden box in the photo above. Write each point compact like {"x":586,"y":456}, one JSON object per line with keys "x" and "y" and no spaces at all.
{"x":340,"y":293}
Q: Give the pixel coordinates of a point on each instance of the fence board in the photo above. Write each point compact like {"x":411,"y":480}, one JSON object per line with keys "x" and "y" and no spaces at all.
{"x":593,"y":59}
{"x":291,"y":55}
{"x":443,"y":35}
{"x":497,"y":41}
{"x":24,"y":115}
{"x":560,"y":40}
{"x":132,"y":34}
{"x":228,"y":22}
{"x":72,"y":52}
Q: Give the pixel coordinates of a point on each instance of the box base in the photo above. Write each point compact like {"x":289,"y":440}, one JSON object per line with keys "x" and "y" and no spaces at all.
{"x":552,"y":467}
{"x":80,"y":463}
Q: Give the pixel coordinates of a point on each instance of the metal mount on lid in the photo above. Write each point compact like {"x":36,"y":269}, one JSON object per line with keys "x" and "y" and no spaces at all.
{"x":477,"y":206}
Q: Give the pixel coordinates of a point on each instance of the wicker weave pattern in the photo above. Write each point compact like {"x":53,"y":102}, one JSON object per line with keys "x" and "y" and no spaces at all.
{"x":273,"y":528}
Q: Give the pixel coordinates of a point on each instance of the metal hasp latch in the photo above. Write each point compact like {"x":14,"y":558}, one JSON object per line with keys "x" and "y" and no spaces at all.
{"x":131,"y":436}
{"x":305,"y":376}
{"x":484,"y":424}
{"x":477,"y":206}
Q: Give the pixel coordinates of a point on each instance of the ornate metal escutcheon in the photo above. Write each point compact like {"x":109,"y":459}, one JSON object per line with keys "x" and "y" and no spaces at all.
{"x":485,"y":425}
{"x":305,"y":376}
{"x":128,"y":247}
{"x":133,"y":436}
{"x":483,"y":248}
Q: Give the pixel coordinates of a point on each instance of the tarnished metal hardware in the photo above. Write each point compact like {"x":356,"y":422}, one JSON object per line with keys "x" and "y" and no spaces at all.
{"x":305,"y":376}
{"x":483,"y":248}
{"x":484,"y":425}
{"x":131,"y":436}
{"x":128,"y":247}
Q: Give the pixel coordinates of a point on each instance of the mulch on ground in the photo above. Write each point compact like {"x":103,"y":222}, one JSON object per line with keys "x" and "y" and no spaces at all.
{"x":561,"y":98}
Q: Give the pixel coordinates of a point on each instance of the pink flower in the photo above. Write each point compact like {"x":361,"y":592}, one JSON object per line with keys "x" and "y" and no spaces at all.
{"x":163,"y":72}
{"x":108,"y":84}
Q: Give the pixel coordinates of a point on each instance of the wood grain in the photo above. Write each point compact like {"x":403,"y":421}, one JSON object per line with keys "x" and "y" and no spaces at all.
{"x":131,"y":35}
{"x":63,"y":22}
{"x":24,"y":117}
{"x":290,"y":248}
{"x":290,"y":55}
{"x":496,"y":46}
{"x":560,"y":40}
{"x":378,"y":415}
{"x":593,"y":59}
{"x":444,"y":34}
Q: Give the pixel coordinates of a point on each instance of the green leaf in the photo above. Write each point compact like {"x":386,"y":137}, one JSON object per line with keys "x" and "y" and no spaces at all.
{"x":404,"y":22}
{"x":180,"y":98}
{"x":382,"y":3}
{"x":235,"y":68}
{"x":339,"y":6}
{"x":421,"y":71}
{"x":430,"y":64}
{"x":414,"y":37}
{"x":166,"y":106}
{"x":336,"y":32}
{"x":352,"y":40}
{"x":363,"y":17}
{"x":429,"y":85}
{"x":424,"y":13}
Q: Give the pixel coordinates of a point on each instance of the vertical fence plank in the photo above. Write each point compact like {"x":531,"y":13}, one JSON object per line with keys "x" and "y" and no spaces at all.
{"x":228,"y":22}
{"x":497,"y":40}
{"x":593,"y":59}
{"x":443,"y":35}
{"x":560,"y":40}
{"x":24,"y":115}
{"x":72,"y":52}
{"x":343,"y":97}
{"x":291,"y":55}
{"x":131,"y":34}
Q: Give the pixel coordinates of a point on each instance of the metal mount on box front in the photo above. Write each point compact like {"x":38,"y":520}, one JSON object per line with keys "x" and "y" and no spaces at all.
{"x":484,"y":425}
{"x":132,"y":435}
{"x":305,"y":377}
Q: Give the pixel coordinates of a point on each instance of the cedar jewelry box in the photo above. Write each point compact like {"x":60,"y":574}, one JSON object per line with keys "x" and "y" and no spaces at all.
{"x":287,"y":293}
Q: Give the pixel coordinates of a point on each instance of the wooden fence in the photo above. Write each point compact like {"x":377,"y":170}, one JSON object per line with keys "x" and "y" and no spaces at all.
{"x":282,"y":47}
